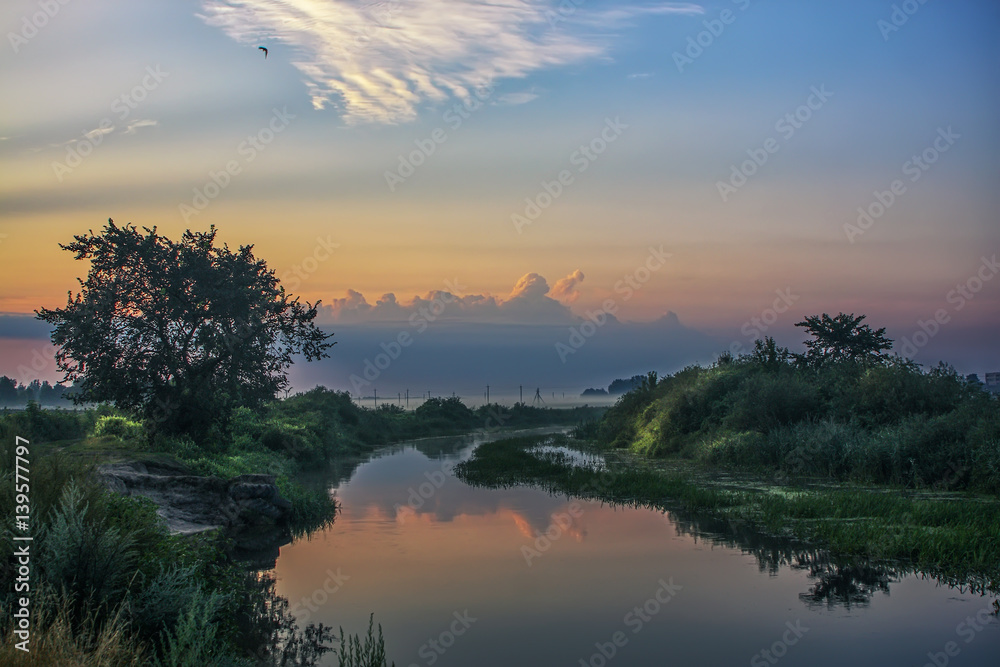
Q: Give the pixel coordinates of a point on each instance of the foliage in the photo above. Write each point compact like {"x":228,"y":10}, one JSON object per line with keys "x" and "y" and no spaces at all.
{"x":842,"y":338}
{"x":845,"y":418}
{"x":180,"y":332}
{"x":119,"y":427}
{"x":370,"y":653}
{"x":111,"y":587}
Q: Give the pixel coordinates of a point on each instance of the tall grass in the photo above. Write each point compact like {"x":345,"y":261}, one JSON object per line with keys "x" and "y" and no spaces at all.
{"x":370,"y":652}
{"x":109,"y":586}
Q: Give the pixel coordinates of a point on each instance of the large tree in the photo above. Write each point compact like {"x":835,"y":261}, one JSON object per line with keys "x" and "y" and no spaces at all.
{"x":842,"y":338}
{"x":181,"y":332}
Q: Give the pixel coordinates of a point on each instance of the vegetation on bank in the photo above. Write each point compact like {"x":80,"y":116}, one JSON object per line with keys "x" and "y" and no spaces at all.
{"x":881,"y":420}
{"x":865,"y":453}
{"x":954,"y":539}
{"x":111,"y":587}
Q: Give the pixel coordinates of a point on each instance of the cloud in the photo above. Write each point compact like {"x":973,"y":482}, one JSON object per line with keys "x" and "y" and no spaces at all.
{"x":530,"y":286}
{"x":144,"y":122}
{"x":565,"y":288}
{"x":381,"y":61}
{"x":640,"y":75}
{"x":530,"y":301}
{"x":517,"y":98}
{"x":96,"y":132}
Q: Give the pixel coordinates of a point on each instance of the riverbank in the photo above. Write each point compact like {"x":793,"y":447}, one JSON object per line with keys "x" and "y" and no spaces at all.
{"x":954,"y":537}
{"x":113,"y":584}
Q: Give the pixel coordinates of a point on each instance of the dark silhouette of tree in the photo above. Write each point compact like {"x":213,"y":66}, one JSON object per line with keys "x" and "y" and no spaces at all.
{"x":181,"y":332}
{"x":769,"y":354}
{"x":842,"y":338}
{"x":8,"y":391}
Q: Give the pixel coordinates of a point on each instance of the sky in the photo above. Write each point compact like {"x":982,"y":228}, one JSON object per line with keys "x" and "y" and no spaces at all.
{"x":533,"y":192}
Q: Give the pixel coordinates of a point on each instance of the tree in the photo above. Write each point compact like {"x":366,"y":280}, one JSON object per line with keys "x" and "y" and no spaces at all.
{"x":181,"y":332}
{"x":768,"y":354}
{"x":8,"y":391}
{"x":842,"y":338}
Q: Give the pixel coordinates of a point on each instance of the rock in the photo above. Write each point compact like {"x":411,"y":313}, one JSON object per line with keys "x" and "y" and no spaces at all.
{"x":192,"y":504}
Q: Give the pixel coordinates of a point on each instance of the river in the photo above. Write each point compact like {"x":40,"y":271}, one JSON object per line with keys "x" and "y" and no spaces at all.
{"x":472,"y":577}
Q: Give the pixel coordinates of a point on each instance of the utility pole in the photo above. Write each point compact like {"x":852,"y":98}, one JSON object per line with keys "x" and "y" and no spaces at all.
{"x":407,"y":399}
{"x":487,"y":394}
{"x":520,"y":393}
{"x":376,"y":396}
{"x":399,"y":398}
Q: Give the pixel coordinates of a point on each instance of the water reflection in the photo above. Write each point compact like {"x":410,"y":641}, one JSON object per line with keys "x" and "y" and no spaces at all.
{"x":558,"y":574}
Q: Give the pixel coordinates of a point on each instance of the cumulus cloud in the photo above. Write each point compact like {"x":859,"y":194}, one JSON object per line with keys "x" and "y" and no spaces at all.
{"x":380,"y":61}
{"x":565,"y":288}
{"x":530,"y":301}
{"x":530,"y":286}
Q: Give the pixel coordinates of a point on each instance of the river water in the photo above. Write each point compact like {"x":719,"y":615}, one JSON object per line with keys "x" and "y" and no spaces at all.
{"x":471,"y":577}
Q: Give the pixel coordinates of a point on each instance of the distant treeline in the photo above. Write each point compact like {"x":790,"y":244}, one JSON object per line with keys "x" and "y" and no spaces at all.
{"x":617,"y":387}
{"x":14,"y":395}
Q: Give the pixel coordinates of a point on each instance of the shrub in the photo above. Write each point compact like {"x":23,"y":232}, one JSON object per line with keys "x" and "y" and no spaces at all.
{"x":119,"y":427}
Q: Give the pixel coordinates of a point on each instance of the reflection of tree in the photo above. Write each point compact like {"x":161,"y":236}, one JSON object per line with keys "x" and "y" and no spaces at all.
{"x":834,"y":582}
{"x":847,"y":584}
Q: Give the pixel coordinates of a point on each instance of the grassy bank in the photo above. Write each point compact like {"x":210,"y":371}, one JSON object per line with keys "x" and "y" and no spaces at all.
{"x":109,"y":586}
{"x":871,"y":456}
{"x":884,"y":422}
{"x":953,"y":537}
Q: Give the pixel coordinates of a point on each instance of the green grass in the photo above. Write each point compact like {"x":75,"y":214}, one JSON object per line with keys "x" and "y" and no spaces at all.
{"x":949,"y":536}
{"x":882,"y":422}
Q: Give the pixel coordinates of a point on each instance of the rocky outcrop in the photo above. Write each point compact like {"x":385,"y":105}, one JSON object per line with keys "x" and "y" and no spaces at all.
{"x":189,"y":504}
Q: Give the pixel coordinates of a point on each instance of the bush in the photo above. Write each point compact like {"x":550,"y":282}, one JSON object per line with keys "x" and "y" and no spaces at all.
{"x":881,"y":421}
{"x":119,"y":427}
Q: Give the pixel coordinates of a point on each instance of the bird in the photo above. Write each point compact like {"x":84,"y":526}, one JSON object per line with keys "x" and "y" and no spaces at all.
{"x":264,"y":50}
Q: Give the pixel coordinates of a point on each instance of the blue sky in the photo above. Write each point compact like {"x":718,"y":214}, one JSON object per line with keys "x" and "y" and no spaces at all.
{"x":351,"y":111}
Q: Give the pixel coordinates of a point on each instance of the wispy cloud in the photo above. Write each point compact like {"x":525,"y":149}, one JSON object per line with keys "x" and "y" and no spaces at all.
{"x":136,"y":124}
{"x":517,"y":98}
{"x":381,"y":61}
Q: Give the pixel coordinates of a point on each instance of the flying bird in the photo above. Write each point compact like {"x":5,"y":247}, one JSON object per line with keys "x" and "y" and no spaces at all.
{"x":264,"y":50}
